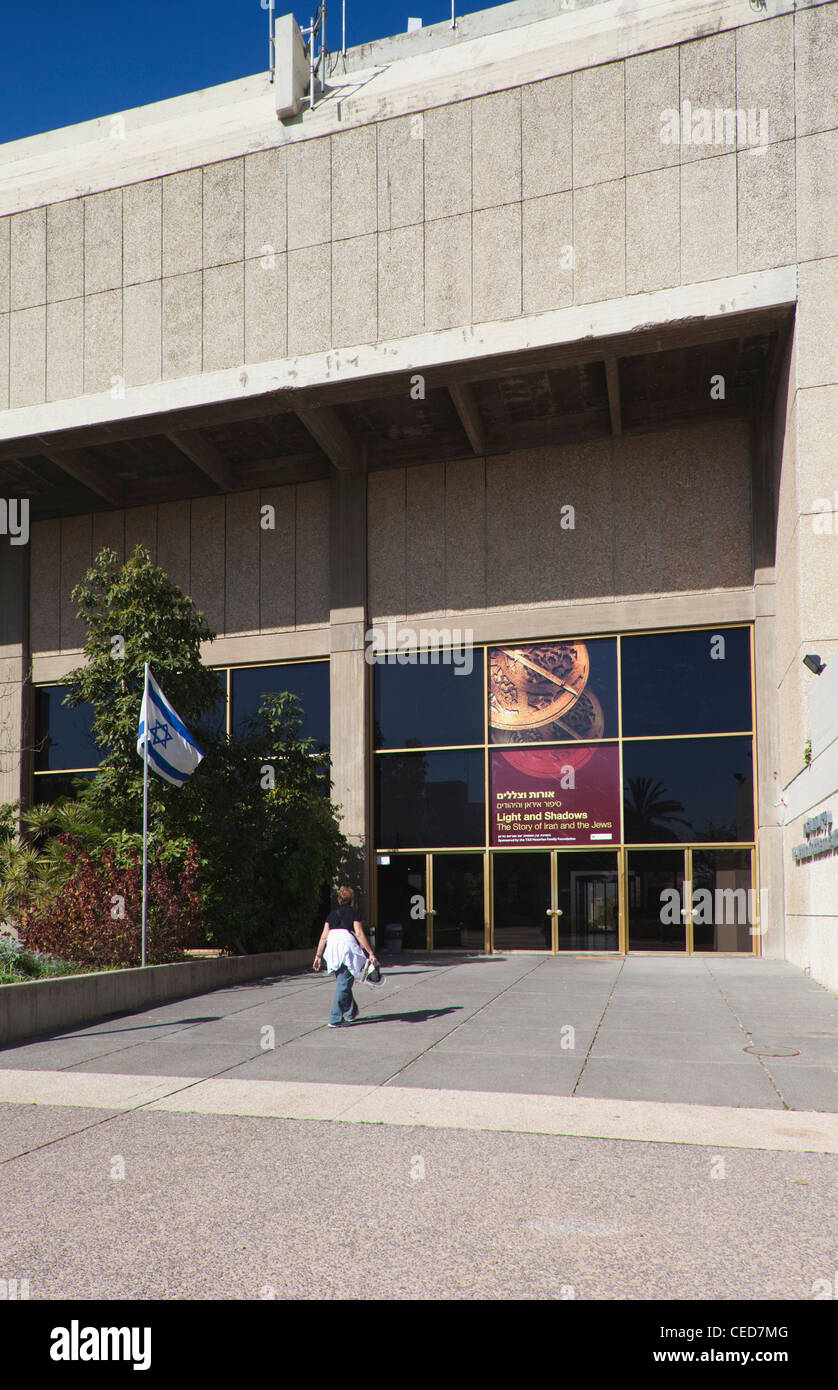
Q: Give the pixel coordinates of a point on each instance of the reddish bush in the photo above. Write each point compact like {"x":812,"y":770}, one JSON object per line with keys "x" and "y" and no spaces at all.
{"x":96,"y":919}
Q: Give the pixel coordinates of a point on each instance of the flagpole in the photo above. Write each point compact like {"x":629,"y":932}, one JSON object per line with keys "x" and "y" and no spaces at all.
{"x":145,"y":803}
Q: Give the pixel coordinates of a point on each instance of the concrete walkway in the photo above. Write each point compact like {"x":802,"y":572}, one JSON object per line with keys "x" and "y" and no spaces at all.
{"x":720,"y":1032}
{"x":170,"y":1154}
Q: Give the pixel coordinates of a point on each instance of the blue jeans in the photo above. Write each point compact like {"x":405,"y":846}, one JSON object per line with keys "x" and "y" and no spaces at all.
{"x":343,"y":1004}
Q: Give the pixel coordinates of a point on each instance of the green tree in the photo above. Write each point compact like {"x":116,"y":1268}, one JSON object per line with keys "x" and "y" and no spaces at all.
{"x":257,"y":806}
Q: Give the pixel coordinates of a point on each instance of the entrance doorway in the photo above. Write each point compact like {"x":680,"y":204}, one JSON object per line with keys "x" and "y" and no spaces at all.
{"x":555,"y":900}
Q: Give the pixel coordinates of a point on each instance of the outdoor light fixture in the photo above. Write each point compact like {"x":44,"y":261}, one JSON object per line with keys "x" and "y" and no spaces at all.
{"x":814,"y":664}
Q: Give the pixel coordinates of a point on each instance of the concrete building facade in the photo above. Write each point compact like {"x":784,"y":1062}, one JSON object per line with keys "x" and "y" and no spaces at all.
{"x":524,"y":330}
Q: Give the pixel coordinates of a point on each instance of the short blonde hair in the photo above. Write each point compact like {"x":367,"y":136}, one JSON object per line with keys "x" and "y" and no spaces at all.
{"x":346,"y":897}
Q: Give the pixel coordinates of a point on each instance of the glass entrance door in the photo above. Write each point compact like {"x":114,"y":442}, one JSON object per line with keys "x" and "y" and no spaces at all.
{"x":522,"y":900}
{"x":456,"y":911}
{"x":588,"y":900}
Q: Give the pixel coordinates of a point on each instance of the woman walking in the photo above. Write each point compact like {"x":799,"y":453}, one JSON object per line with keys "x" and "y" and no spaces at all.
{"x":344,"y":946}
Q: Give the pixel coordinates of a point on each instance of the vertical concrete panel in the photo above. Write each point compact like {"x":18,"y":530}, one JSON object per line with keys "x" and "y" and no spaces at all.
{"x":5,"y":263}
{"x":354,"y":191}
{"x":309,"y":300}
{"x":312,"y":553}
{"x":637,"y":491}
{"x":727,"y":505}
{"x":243,"y":546}
{"x":142,"y":232}
{"x":309,"y":193}
{"x":76,"y":557}
{"x":182,"y":222}
{"x":208,"y":559}
{"x":65,"y":250}
{"x":448,"y":173}
{"x":815,"y":69}
{"x":651,"y":96}
{"x":401,"y":151}
{"x":28,"y":259}
{"x":349,"y":686}
{"x":182,"y":325}
{"x":708,"y":80}
{"x":465,"y":535}
{"x":45,"y":595}
{"x":265,"y":227}
{"x":12,"y":671}
{"x":386,"y":543}
{"x":354,"y":291}
{"x":223,"y":212}
{"x":4,"y":361}
{"x":817,"y":196}
{"x":496,"y":149}
{"x":109,"y":533}
{"x":766,"y":73}
{"x":223,"y":319}
{"x":142,"y":329}
{"x":507,"y":535}
{"x":448,"y":299}
{"x":141,"y":529}
{"x":708,"y":219}
{"x":496,"y":265}
{"x":540,"y":474}
{"x":103,"y":241}
{"x":173,"y":542}
{"x":65,"y":349}
{"x":680,"y":506}
{"x":425,"y":539}
{"x":27,"y":353}
{"x":547,"y":252}
{"x":817,"y":325}
{"x":546,"y":142}
{"x":102,"y":340}
{"x":599,"y":120}
{"x":277,"y":560}
{"x":587,"y":484}
{"x":765,"y":207}
{"x":599,"y":223}
{"x":266,"y":308}
{"x":401,"y":282}
{"x":653,"y":231}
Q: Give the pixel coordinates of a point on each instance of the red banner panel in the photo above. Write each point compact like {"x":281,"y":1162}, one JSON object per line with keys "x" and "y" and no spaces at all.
{"x":555,"y":796}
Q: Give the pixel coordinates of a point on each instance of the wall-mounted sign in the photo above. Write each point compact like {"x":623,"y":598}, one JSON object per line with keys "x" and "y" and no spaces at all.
{"x":820,"y":838}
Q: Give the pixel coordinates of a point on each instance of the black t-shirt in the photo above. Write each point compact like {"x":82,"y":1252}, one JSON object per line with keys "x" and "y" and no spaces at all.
{"x":343,"y":917}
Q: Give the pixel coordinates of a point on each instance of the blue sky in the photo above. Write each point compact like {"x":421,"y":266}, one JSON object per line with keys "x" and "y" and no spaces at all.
{"x":73,"y":61}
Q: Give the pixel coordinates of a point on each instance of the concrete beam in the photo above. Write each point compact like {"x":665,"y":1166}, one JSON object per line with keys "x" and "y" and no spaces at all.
{"x":85,"y":468}
{"x":206,"y":457}
{"x":637,"y":323}
{"x":465,"y":404}
{"x":328,"y":430}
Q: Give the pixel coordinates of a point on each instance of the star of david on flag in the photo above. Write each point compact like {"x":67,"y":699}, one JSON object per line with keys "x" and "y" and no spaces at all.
{"x":172,"y":751}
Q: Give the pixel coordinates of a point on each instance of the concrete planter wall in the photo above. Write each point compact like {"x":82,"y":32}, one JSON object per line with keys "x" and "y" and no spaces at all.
{"x":48,"y":1006}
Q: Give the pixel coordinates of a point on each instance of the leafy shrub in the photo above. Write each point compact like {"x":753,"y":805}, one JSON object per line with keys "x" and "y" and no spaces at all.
{"x":96,"y":918}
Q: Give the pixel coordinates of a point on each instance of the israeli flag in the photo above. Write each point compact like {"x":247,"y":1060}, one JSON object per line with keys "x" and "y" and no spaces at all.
{"x":172,"y":751}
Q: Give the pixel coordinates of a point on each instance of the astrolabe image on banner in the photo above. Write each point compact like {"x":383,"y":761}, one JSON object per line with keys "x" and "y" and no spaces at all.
{"x":531,"y":687}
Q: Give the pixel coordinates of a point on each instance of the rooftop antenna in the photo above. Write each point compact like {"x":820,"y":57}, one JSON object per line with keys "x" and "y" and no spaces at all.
{"x":271,"y":41}
{"x":343,"y":49}
{"x":453,"y":20}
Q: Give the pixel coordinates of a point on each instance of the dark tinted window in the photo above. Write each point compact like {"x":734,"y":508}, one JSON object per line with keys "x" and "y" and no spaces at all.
{"x":54,"y":785}
{"x":688,"y":789}
{"x":63,"y":736}
{"x":687,"y":682}
{"x":308,"y":680}
{"x":425,"y":799}
{"x":424,"y":706}
{"x":548,"y":692}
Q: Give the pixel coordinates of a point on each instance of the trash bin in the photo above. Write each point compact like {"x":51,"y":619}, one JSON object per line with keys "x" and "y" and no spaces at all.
{"x":394,"y":938}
